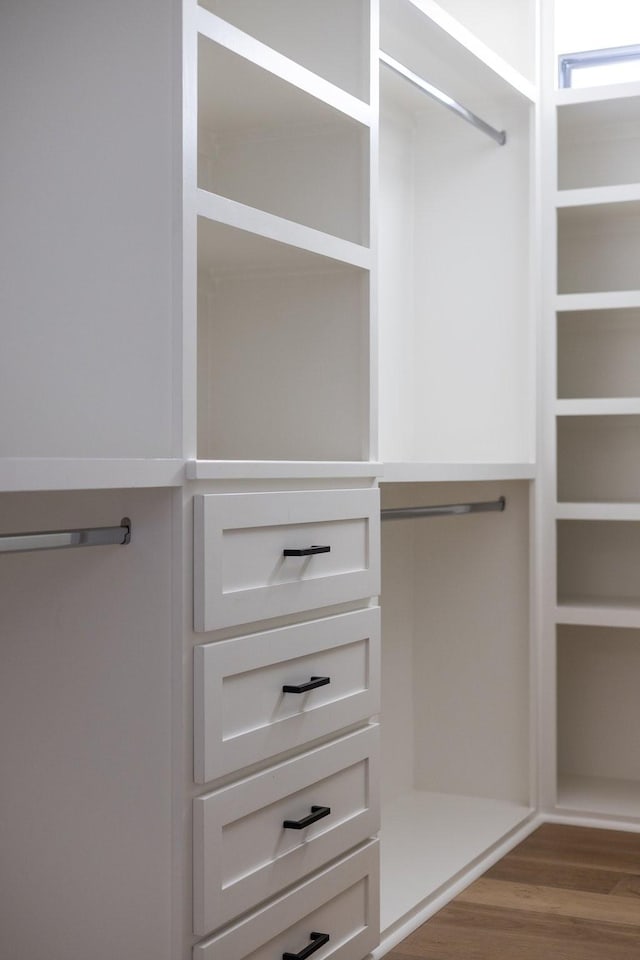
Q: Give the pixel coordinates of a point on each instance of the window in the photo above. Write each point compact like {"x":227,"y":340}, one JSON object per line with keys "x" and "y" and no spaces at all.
{"x":599,"y":67}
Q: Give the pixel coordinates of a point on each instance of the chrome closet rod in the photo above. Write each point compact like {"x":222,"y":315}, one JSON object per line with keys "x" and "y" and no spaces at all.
{"x":58,"y":539}
{"x":445,"y":510}
{"x":499,"y":136}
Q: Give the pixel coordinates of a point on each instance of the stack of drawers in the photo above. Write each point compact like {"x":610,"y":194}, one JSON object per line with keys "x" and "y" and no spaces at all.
{"x":284,"y":863}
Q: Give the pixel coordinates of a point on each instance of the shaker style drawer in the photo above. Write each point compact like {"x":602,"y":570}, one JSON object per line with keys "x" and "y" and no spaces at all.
{"x":260,"y":695}
{"x":337,"y":909}
{"x":268,"y":831}
{"x":262,"y":555}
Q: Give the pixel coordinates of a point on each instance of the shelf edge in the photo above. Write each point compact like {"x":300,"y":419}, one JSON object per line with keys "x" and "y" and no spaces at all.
{"x":25,"y":474}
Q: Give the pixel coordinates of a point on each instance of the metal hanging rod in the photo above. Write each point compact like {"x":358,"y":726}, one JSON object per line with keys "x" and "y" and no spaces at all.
{"x":58,"y":539}
{"x":446,"y":510}
{"x":499,"y":136}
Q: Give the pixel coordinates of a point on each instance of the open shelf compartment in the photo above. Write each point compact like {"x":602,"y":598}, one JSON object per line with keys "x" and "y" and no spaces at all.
{"x":282,"y":351}
{"x":599,"y":248}
{"x":599,"y":459}
{"x":599,"y":720}
{"x":267,"y":144}
{"x":599,"y":143}
{"x":598,"y":563}
{"x":599,"y":353}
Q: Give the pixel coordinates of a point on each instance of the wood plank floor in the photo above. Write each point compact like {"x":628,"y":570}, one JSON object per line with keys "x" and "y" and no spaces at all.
{"x":565,"y":893}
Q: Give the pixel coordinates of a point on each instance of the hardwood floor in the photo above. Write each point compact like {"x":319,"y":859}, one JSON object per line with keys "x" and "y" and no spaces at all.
{"x":565,"y":893}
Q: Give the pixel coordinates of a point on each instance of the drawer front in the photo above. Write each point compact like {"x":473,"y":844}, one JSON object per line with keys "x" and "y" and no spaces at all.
{"x":241,"y":572}
{"x":242,"y":715}
{"x":342,"y":901}
{"x":243,"y":853}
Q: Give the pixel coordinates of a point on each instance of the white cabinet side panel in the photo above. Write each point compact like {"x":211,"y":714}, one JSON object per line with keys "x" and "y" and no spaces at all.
{"x":85,"y":733}
{"x":86,"y":192}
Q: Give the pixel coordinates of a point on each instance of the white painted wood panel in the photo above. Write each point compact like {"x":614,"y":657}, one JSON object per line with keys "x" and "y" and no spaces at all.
{"x":241,"y":574}
{"x":280,"y":469}
{"x":505,"y":26}
{"x":221,"y":250}
{"x":243,"y":853}
{"x":242,"y":714}
{"x":342,"y":901}
{"x":423,"y":35}
{"x":429,"y":838}
{"x":86,"y":725}
{"x":88,"y":262}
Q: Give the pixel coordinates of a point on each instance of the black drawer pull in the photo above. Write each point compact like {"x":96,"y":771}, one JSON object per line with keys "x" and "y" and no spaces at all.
{"x":305,"y":687}
{"x":317,"y":813}
{"x":317,"y":940}
{"x":308,"y":552}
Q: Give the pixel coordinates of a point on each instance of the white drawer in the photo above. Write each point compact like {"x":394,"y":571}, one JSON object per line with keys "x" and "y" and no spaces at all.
{"x":241,"y":713}
{"x":241,"y":573}
{"x":342,"y":901}
{"x":243,"y":853}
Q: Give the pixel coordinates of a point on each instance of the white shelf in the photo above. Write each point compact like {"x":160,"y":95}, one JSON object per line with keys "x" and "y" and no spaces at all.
{"x":619,"y":91}
{"x":429,"y":838}
{"x":396,"y":472}
{"x":599,"y":795}
{"x":279,"y":469}
{"x":598,"y":511}
{"x":247,"y":47}
{"x":428,"y":40}
{"x":243,"y":250}
{"x":624,"y":613}
{"x":41,"y":473}
{"x":592,"y":196}
{"x":330,"y":39}
{"x":598,"y":407}
{"x":614,"y":300}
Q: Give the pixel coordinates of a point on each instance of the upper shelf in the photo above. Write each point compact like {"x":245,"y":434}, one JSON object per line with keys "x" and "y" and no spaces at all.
{"x":429,"y":41}
{"x":328,"y":38}
{"x":278,"y":66}
{"x":235,"y":237}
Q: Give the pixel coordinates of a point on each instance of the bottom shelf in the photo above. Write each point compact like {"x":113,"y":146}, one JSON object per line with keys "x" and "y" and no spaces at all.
{"x":600,"y":795}
{"x":428,"y":838}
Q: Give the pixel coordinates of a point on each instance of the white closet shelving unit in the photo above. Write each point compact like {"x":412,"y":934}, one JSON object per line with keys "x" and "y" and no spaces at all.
{"x":589,"y":745}
{"x":279,"y":188}
{"x":280,"y":145}
{"x":256,"y":283}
